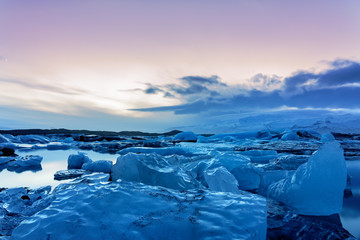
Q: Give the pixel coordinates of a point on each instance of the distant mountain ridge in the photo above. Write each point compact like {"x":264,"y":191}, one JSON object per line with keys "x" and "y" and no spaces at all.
{"x":85,"y":132}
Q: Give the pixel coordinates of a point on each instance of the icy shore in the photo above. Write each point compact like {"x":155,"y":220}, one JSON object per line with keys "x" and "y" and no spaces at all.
{"x":251,"y":185}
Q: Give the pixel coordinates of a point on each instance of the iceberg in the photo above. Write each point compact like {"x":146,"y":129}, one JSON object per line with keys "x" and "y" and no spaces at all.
{"x":327,"y":137}
{"x":98,"y":166}
{"x":151,"y":169}
{"x":229,"y":160}
{"x":58,"y":146}
{"x":221,"y":180}
{"x":3,"y":139}
{"x":27,"y":161}
{"x":260,"y":156}
{"x":160,"y":151}
{"x":75,"y":161}
{"x":247,"y":176}
{"x":185,"y":137}
{"x":317,"y":186}
{"x":69,"y":174}
{"x":33,"y":139}
{"x":290,"y":136}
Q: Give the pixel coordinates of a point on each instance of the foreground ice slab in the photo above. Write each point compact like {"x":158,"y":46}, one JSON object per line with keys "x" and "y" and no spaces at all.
{"x":317,"y":187}
{"x":18,"y":203}
{"x":123,"y":210}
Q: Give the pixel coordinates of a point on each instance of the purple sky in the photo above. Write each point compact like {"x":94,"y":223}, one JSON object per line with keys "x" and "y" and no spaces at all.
{"x":63,"y":63}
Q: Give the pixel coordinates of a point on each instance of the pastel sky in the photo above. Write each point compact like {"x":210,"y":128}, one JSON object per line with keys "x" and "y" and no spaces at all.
{"x":152,"y":65}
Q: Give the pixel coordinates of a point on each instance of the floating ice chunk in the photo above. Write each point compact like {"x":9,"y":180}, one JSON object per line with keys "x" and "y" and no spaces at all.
{"x":58,"y":146}
{"x":221,"y":180}
{"x":125,"y":210}
{"x":27,"y":161}
{"x":159,"y":151}
{"x":202,"y":139}
{"x":3,"y":139}
{"x":233,"y":136}
{"x":265,"y":134}
{"x":69,"y":174}
{"x":185,"y":137}
{"x":75,"y":161}
{"x":247,"y":176}
{"x":230,"y":160}
{"x":151,"y":169}
{"x":288,"y":162}
{"x":270,"y":177}
{"x":4,"y":160}
{"x":98,"y":166}
{"x":32,"y":139}
{"x":317,"y":187}
{"x":327,"y":137}
{"x":68,"y":140}
{"x":290,"y":136}
{"x":260,"y":156}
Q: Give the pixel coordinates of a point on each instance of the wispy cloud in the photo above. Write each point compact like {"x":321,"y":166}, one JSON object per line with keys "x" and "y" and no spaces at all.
{"x":40,"y":86}
{"x":336,"y":87}
{"x":188,"y":87}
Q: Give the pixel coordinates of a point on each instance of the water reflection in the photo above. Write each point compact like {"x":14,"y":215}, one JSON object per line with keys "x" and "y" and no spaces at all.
{"x":350,"y":214}
{"x":53,"y":161}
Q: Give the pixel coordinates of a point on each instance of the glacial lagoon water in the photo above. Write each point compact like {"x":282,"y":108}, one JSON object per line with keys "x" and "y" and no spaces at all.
{"x":350,"y":214}
{"x":52,"y":162}
{"x":57,"y":160}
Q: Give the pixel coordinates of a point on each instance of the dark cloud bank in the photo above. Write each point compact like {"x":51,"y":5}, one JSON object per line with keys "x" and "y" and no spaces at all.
{"x":337,"y":87}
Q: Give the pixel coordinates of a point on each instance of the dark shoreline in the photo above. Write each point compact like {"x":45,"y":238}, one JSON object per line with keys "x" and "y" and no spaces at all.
{"x":16,"y":132}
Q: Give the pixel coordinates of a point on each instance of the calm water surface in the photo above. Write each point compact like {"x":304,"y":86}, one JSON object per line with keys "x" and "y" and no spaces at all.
{"x":52,"y":162}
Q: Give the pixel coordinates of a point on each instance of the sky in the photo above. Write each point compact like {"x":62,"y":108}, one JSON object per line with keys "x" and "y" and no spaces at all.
{"x":151,"y":65}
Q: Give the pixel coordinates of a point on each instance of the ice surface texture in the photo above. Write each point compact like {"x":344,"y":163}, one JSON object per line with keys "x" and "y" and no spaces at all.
{"x":123,"y":210}
{"x":18,"y":203}
{"x":98,"y":166}
{"x":152,"y":169}
{"x":317,"y":187}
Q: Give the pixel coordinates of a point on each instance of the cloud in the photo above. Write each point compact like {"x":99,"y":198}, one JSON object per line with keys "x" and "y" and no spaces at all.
{"x":44,"y":87}
{"x":151,"y":89}
{"x":191,"y":88}
{"x":343,"y":73}
{"x":336,"y":87}
{"x":212,"y":80}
